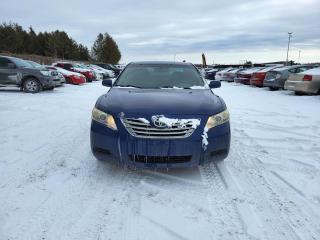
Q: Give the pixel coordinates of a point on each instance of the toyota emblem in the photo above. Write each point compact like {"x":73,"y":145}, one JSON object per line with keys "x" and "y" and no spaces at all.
{"x":157,"y":122}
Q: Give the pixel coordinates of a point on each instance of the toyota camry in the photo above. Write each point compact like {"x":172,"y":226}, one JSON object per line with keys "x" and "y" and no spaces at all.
{"x":160,"y":115}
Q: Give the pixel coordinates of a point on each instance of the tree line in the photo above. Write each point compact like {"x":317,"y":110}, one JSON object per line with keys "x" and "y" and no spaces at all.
{"x":57,"y":44}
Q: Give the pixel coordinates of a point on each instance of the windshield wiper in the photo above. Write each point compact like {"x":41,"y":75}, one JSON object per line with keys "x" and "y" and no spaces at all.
{"x":127,"y":86}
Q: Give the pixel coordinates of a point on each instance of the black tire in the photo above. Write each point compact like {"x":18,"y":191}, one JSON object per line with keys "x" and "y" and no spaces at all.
{"x":68,"y":80}
{"x":298,"y":93}
{"x":32,"y":85}
{"x":273,"y":88}
{"x":50,"y":88}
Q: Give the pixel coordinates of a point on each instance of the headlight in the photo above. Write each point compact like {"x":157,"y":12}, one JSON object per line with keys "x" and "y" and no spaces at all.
{"x":104,"y":118}
{"x":217,"y":119}
{"x":46,"y":73}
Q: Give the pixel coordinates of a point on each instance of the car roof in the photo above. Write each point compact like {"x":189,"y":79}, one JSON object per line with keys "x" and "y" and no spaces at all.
{"x":160,"y":63}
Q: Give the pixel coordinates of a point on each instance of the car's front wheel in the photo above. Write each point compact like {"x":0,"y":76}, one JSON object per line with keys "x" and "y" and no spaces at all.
{"x":273,"y":88}
{"x":31,"y":85}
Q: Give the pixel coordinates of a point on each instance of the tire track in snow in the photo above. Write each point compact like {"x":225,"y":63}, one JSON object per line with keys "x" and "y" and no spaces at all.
{"x":290,"y":219}
{"x":227,"y":219}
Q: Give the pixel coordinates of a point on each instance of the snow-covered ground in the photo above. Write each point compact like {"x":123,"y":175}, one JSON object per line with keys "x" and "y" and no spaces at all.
{"x":51,"y":187}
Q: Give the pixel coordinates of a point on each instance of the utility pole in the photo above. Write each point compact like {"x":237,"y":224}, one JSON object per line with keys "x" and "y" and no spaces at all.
{"x":289,"y":35}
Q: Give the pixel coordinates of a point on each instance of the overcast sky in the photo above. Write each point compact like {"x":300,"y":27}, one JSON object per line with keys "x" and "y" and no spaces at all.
{"x":226,"y":31}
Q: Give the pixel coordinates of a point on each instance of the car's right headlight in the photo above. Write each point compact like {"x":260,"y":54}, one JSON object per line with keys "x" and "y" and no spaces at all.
{"x":104,"y":118}
{"x":218,"y":119}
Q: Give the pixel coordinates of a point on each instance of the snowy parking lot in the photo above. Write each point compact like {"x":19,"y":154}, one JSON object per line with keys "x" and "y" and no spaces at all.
{"x":51,"y":186}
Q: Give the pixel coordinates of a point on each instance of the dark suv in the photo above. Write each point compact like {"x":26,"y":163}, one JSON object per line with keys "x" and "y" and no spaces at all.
{"x":17,"y":72}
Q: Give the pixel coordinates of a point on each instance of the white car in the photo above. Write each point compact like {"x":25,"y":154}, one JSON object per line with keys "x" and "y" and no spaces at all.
{"x":106,"y":73}
{"x":305,"y":82}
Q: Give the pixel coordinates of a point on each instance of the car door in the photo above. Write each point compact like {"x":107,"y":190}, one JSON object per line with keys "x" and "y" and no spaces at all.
{"x":8,"y":72}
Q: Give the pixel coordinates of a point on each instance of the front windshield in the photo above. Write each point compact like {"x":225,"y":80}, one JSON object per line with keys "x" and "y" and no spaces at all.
{"x":160,"y":76}
{"x":36,"y":65}
{"x":22,"y":63}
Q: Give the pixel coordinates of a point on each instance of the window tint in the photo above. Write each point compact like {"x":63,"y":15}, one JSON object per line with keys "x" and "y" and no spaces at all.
{"x":160,"y":76}
{"x":21,"y":63}
{"x":301,"y":69}
{"x":4,"y":62}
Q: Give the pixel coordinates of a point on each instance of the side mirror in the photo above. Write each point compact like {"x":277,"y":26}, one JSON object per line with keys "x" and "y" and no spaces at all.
{"x":11,"y":65}
{"x":107,"y":83}
{"x":214,"y":84}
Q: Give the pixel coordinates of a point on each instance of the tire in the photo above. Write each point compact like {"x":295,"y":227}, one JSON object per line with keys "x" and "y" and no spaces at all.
{"x":50,"y":88}
{"x":298,"y":93}
{"x":273,"y":88}
{"x":32,"y":85}
{"x":68,"y":80}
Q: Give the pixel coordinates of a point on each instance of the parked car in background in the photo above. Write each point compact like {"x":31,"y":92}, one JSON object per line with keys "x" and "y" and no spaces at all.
{"x":76,"y":68}
{"x":109,"y":67}
{"x":276,"y":78}
{"x":71,"y":77}
{"x":100,"y":74}
{"x":245,"y":75}
{"x":305,"y":82}
{"x":211,"y":74}
{"x":223,"y":74}
{"x":106,"y":73}
{"x":229,"y":76}
{"x":58,"y":78}
{"x":258,"y":77}
{"x":17,"y":72}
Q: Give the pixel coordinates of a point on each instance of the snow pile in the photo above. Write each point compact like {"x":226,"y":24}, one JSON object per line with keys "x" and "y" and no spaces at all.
{"x":170,"y":122}
{"x":205,"y":138}
{"x":144,"y":120}
{"x":198,"y":87}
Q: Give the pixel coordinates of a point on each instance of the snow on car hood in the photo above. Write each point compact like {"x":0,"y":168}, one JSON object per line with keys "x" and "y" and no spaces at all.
{"x":81,"y":69}
{"x":161,"y":101}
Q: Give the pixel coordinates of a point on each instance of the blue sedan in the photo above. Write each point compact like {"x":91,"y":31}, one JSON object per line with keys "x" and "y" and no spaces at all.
{"x":160,"y":115}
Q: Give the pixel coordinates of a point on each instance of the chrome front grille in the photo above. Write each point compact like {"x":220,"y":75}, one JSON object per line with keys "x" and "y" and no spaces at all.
{"x":143,"y":129}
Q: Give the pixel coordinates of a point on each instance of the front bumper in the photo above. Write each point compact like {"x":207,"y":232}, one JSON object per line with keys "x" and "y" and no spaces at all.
{"x":301,"y":86}
{"x":47,"y":82}
{"x":59,"y":81}
{"x":242,"y":80}
{"x":256,"y":82}
{"x":120,"y":147}
{"x":273,"y":83}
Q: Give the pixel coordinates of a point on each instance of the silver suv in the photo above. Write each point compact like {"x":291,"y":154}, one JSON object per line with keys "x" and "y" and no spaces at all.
{"x":17,"y":72}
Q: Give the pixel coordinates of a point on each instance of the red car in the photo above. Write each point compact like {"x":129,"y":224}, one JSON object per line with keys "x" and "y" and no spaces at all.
{"x":75,"y":68}
{"x":245,"y":75}
{"x":258,"y":77}
{"x":71,"y":77}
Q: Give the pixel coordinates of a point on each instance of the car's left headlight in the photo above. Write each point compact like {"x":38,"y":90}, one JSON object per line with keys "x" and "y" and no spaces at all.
{"x":218,"y":119}
{"x":104,"y":118}
{"x":46,"y":73}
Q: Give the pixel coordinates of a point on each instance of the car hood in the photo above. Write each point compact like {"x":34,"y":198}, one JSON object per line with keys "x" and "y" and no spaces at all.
{"x":161,"y":101}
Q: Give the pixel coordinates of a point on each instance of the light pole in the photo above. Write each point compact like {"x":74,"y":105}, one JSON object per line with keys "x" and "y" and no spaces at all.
{"x":290,"y":35}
